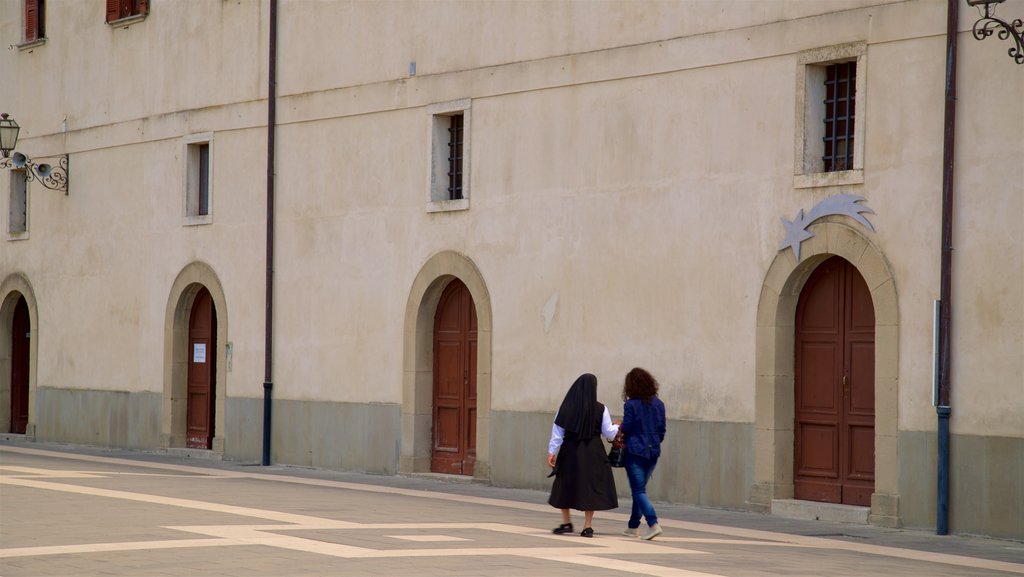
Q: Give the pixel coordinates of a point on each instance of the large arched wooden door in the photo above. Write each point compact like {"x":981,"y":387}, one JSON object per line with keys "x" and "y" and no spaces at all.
{"x":834,"y":432}
{"x":21,"y":335}
{"x":455,"y":347}
{"x":202,"y":371}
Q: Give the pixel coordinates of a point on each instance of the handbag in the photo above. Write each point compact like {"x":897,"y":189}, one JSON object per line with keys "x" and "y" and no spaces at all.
{"x":617,"y":454}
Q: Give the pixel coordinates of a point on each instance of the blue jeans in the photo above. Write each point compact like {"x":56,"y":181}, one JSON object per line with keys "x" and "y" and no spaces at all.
{"x":638,"y":471}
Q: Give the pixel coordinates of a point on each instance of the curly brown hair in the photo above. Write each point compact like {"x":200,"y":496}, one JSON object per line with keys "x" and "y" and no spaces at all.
{"x":639,"y":385}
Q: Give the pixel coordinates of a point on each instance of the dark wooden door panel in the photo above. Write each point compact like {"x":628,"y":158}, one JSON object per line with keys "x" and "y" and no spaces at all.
{"x":201,"y":387}
{"x":818,"y":458}
{"x":454,"y":402}
{"x":861,"y":382}
{"x":834,"y":387}
{"x":818,"y":362}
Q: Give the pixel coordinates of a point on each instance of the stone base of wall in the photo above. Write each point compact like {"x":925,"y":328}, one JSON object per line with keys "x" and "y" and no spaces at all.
{"x":99,"y":418}
{"x":338,"y":436}
{"x":986,"y":483}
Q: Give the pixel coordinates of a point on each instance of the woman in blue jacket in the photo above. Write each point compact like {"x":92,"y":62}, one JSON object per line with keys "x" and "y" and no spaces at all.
{"x":643,"y":426}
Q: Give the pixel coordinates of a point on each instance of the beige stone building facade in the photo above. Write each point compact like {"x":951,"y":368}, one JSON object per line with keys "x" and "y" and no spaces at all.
{"x":743,"y":197}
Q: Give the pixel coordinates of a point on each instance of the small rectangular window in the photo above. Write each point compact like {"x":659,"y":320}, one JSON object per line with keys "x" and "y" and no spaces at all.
{"x":198,"y":178}
{"x":35,"y":20}
{"x":204,"y":179}
{"x":120,"y":9}
{"x":448,"y":173}
{"x":840,"y":100}
{"x":17,"y":216}
{"x":830,"y":105}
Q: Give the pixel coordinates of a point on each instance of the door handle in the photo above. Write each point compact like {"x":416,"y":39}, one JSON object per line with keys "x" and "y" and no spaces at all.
{"x":846,"y":389}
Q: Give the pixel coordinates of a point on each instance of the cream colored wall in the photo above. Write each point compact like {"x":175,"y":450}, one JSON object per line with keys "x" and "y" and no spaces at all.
{"x":636,"y":189}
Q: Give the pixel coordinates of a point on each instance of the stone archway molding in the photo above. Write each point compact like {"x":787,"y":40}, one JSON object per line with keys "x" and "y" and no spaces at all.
{"x":179,"y":309}
{"x":418,"y":360}
{"x":14,"y":286}
{"x":776,"y":319}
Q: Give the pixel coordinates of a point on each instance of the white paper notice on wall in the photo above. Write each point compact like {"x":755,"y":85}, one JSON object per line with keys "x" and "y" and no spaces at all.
{"x":199,"y":353}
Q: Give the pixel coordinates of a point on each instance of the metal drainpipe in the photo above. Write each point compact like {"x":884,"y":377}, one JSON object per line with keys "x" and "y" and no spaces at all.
{"x":943,"y":408}
{"x":268,"y":383}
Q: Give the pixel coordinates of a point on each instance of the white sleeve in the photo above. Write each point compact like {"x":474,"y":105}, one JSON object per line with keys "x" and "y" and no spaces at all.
{"x":608,"y":430}
{"x":557,"y":434}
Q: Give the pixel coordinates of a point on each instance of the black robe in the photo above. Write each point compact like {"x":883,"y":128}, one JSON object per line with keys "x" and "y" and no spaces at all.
{"x":583,"y":477}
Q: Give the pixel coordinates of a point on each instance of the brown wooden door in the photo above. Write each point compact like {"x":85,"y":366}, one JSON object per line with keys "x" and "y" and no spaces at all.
{"x":202,"y":371}
{"x":834,"y":452}
{"x":21,"y":335}
{"x":455,"y":340}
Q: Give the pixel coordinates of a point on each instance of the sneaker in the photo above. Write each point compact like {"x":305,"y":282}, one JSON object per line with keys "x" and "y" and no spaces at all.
{"x":588,"y":532}
{"x":632,"y":532}
{"x":562,"y":529}
{"x":652,"y":532}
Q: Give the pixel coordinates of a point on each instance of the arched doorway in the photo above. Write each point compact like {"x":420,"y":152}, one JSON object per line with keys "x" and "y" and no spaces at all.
{"x":202,"y":372}
{"x":21,"y":334}
{"x":783,"y":284}
{"x":834,"y":382}
{"x":455,"y":394}
{"x":194,"y":278}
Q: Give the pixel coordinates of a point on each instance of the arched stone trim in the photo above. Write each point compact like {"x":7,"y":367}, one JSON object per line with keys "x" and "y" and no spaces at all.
{"x":13,"y":287}
{"x":186,"y":286}
{"x":776,"y":319}
{"x":418,"y":360}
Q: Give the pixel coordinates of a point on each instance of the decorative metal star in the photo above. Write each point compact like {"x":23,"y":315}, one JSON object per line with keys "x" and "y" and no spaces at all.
{"x":841,"y":204}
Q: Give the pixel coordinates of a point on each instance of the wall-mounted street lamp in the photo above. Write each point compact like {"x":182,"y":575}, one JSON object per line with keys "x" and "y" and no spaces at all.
{"x":988,"y":25}
{"x":52,"y":177}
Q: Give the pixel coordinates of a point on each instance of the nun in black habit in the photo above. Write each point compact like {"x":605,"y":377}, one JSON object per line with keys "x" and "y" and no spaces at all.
{"x":583,"y":477}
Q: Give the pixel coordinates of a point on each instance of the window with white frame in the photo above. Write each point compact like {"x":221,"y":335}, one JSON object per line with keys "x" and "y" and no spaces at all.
{"x":448,"y":170}
{"x":830,"y":116}
{"x":199,"y":179}
{"x":17,"y":213}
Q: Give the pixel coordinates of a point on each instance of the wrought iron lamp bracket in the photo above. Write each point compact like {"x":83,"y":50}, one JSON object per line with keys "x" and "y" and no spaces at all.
{"x":52,"y":177}
{"x":988,"y":25}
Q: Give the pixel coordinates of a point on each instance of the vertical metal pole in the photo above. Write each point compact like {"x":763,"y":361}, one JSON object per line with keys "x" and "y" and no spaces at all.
{"x":945,"y":299}
{"x":268,"y":383}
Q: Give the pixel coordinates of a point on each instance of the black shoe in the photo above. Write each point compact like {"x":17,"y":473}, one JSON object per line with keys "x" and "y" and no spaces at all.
{"x":588,"y":532}
{"x":562,"y":529}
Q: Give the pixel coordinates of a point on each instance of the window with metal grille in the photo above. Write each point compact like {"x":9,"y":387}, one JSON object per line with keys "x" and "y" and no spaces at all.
{"x":455,"y":157}
{"x":840,"y":98}
{"x":451,"y":148}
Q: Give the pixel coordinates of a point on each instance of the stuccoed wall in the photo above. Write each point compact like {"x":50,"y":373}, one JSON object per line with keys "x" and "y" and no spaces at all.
{"x":626,"y":187}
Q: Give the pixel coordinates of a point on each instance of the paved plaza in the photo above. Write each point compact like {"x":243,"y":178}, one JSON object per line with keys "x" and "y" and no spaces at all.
{"x":76,"y":511}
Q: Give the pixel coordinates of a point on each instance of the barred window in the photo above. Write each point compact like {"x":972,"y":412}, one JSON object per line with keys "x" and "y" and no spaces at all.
{"x":450,"y":146}
{"x":840,"y":99}
{"x":455,"y":157}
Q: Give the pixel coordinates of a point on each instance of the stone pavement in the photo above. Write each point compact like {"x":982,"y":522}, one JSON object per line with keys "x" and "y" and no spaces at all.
{"x":77,"y":511}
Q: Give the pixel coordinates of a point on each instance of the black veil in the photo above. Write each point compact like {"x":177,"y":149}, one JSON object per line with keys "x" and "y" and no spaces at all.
{"x":580,"y":412}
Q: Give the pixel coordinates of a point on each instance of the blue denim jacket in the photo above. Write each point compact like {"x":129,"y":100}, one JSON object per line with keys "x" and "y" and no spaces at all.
{"x":644,"y":427}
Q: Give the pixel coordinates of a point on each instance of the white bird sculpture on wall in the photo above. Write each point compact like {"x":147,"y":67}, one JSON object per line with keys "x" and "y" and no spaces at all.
{"x":841,"y":204}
